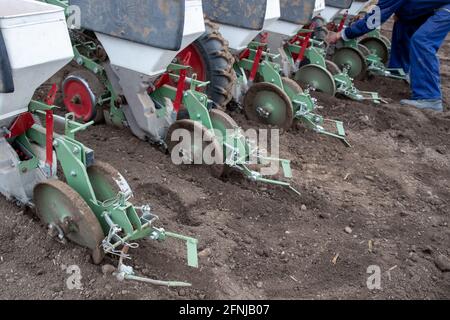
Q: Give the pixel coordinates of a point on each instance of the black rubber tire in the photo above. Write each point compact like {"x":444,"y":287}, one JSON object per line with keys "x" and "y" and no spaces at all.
{"x":219,"y":62}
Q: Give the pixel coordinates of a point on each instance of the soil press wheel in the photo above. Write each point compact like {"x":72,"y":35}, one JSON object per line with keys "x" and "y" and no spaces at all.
{"x":82,"y":91}
{"x":60,"y":206}
{"x":266,"y":103}
{"x":106,"y":181}
{"x":317,"y":77}
{"x":353,"y":59}
{"x":192,"y":148}
{"x":212,"y":61}
{"x":378,"y":46}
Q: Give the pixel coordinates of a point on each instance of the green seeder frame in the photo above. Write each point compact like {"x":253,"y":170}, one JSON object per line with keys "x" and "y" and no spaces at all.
{"x":74,"y":159}
{"x":303,"y":103}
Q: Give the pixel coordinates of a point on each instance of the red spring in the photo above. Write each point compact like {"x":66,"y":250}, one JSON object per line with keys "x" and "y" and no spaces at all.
{"x":342,"y":24}
{"x":51,"y":96}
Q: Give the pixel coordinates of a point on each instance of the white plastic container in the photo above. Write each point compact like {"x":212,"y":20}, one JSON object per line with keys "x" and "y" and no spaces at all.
{"x":38,"y":45}
{"x":319,"y":7}
{"x":357,"y":7}
{"x":239,"y":38}
{"x":148,"y":60}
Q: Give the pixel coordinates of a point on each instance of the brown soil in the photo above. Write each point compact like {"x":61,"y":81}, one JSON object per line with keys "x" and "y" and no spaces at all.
{"x":391,"y":188}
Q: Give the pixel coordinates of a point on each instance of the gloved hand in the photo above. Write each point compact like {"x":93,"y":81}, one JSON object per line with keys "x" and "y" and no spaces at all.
{"x":332,"y":37}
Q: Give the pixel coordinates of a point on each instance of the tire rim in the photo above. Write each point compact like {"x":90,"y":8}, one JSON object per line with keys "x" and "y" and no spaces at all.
{"x":196,"y":61}
{"x":79,"y":98}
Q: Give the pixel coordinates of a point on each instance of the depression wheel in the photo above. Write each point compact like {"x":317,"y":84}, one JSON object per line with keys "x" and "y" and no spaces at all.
{"x":332,"y":67}
{"x":353,"y":59}
{"x":57,"y":204}
{"x":377,"y":46}
{"x":317,"y":77}
{"x":266,"y":103}
{"x":82,"y":91}
{"x":192,"y":144}
{"x":364,"y":50}
{"x":106,"y":181}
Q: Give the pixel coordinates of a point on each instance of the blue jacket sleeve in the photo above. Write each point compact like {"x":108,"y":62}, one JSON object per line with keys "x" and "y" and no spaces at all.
{"x":359,"y":28}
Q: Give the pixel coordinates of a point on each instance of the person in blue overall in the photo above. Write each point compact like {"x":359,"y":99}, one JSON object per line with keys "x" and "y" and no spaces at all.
{"x":420,"y":28}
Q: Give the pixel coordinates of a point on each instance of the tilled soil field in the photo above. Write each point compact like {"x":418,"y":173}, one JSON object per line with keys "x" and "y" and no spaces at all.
{"x":383,"y":202}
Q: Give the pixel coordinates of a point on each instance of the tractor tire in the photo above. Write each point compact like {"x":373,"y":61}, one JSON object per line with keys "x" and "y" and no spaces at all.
{"x":217,"y":64}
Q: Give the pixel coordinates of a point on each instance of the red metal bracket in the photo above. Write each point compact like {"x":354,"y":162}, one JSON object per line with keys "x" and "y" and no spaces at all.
{"x":49,"y":126}
{"x":342,"y":23}
{"x":49,"y":138}
{"x":22,"y":123}
{"x":51,"y":96}
{"x":181,"y":84}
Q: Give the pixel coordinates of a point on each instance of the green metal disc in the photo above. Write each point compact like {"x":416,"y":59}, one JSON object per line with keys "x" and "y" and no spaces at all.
{"x":106,"y":182}
{"x":291,"y":87}
{"x":195,"y":146}
{"x":332,"y":67}
{"x":59,"y":205}
{"x":318,"y":77}
{"x":364,"y":50}
{"x":377,"y":46}
{"x":222,"y":121}
{"x":386,"y":41}
{"x":353,"y":59}
{"x":265,"y":102}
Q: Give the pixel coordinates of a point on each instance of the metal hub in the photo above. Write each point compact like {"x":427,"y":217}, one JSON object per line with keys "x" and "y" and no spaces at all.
{"x":81,"y":91}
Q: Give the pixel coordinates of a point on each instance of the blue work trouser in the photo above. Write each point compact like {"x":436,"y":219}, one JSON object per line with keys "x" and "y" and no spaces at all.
{"x":414,"y":48}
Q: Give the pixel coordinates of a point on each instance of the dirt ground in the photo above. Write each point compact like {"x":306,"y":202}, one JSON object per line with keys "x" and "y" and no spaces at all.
{"x":262,"y":242}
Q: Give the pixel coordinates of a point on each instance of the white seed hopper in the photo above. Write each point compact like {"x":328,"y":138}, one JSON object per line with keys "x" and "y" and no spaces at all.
{"x":150,"y":60}
{"x":37,"y":45}
{"x":243,"y":26}
{"x":357,"y":7}
{"x":334,"y":8}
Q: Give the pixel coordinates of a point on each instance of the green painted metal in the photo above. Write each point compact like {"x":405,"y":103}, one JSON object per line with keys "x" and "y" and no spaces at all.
{"x":320,"y":79}
{"x":375,"y":64}
{"x":303,"y":103}
{"x":74,"y":159}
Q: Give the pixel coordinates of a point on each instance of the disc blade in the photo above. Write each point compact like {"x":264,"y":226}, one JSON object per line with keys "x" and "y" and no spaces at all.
{"x":267,"y":103}
{"x":377,"y":46}
{"x":316,"y":77}
{"x":60,"y":205}
{"x":353,"y":59}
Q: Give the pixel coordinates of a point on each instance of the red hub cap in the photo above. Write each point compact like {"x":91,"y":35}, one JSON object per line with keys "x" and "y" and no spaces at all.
{"x":79,"y":99}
